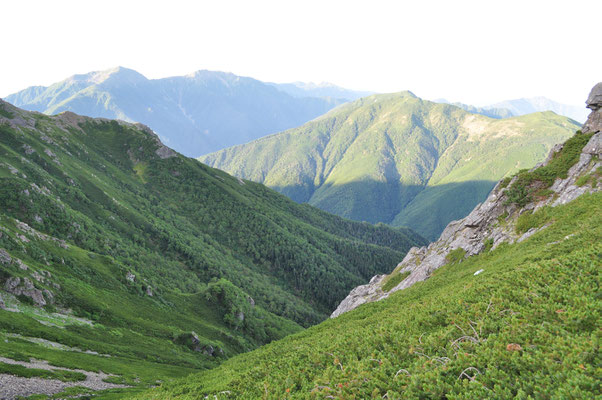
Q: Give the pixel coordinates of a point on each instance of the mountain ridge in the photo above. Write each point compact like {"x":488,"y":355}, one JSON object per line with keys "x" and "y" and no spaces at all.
{"x":196,"y":113}
{"x":369,"y":159}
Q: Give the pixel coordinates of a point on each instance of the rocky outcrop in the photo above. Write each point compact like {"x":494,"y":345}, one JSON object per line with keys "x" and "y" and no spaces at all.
{"x":594,"y":103}
{"x":482,"y":229}
{"x":24,"y":287}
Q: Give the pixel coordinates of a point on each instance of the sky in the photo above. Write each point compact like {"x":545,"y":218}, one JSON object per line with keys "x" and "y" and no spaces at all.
{"x":477,"y":52}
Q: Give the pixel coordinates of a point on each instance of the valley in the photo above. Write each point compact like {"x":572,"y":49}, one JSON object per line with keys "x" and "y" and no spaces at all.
{"x":120,"y":255}
{"x":396,"y":159}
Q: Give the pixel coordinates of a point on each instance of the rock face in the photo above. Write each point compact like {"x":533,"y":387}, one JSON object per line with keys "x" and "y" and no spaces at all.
{"x":480,"y":229}
{"x":594,"y":103}
{"x":24,"y":287}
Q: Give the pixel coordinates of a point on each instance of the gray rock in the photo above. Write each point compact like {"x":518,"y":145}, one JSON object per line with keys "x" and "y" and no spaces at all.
{"x":5,"y":258}
{"x":28,"y":149}
{"x":360,"y":295}
{"x":25,"y":287}
{"x":130,"y":277}
{"x":208,"y":350}
{"x":21,"y":265}
{"x":149,"y":291}
{"x":35,"y":275}
{"x":11,"y":284}
{"x":594,"y":100}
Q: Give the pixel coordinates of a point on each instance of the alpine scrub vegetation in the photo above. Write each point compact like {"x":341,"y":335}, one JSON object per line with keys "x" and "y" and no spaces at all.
{"x":525,"y":327}
{"x":396,"y":159}
{"x":118,"y":254}
{"x":529,"y":184}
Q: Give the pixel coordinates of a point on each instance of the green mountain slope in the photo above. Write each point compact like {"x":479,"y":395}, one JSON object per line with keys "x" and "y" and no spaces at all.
{"x":194,"y":114}
{"x":396,"y":159}
{"x":113,"y":243}
{"x":520,"y":318}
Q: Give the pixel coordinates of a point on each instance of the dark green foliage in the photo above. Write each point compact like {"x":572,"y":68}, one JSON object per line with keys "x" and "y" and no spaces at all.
{"x":504,"y":182}
{"x":528,"y":185}
{"x":394,"y":280}
{"x":526,"y":327}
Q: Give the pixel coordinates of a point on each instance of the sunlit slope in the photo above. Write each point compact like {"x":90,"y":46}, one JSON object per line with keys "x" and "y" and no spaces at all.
{"x":396,"y":159}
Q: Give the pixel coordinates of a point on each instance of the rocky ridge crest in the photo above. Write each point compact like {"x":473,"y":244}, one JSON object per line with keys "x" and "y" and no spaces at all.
{"x":481,"y":229}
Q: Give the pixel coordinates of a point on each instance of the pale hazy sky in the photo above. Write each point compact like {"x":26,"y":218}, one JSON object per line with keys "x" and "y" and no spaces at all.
{"x":472,"y":51}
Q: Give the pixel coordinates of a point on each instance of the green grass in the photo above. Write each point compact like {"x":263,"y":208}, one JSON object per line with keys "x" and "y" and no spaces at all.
{"x":393,"y":280}
{"x":526,"y":327}
{"x":455,"y":256}
{"x":528,"y":185}
{"x":529,"y":220}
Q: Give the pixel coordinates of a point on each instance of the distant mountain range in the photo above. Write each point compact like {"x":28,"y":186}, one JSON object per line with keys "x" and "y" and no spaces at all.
{"x":516,"y":107}
{"x":324,"y":89}
{"x":195,"y":114}
{"x":396,"y":158}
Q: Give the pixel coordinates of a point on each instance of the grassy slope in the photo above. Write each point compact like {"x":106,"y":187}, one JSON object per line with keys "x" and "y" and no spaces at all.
{"x":396,"y":159}
{"x":202,"y":241}
{"x":526,"y":326}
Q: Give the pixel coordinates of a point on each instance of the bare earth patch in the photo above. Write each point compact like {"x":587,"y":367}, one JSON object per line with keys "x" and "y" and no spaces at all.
{"x":12,"y":386}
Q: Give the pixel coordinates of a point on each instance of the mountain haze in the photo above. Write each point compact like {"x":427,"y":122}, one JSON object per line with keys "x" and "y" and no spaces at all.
{"x":535,"y":104}
{"x":396,"y":158}
{"x":195,"y":114}
{"x":324,"y":89}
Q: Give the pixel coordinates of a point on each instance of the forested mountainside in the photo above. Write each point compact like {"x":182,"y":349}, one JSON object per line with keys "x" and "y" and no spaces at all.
{"x":119,"y":254}
{"x":396,"y":159}
{"x":194,"y":114}
{"x":510,"y":309}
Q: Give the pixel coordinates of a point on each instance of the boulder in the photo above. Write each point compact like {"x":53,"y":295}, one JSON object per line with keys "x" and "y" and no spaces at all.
{"x":25,"y":287}
{"x":594,"y":102}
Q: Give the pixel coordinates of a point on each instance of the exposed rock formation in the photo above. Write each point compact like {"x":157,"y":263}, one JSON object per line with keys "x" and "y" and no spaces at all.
{"x":26,"y":288}
{"x":594,"y":102}
{"x":480,"y":229}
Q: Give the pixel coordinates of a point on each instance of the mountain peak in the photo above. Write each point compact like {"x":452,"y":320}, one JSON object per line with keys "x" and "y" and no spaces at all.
{"x":115,"y":75}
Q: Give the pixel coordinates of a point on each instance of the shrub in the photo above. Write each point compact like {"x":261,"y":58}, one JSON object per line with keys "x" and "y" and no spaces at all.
{"x":455,"y":256}
{"x":529,"y":182}
{"x":528,"y":220}
{"x":393,"y":280}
